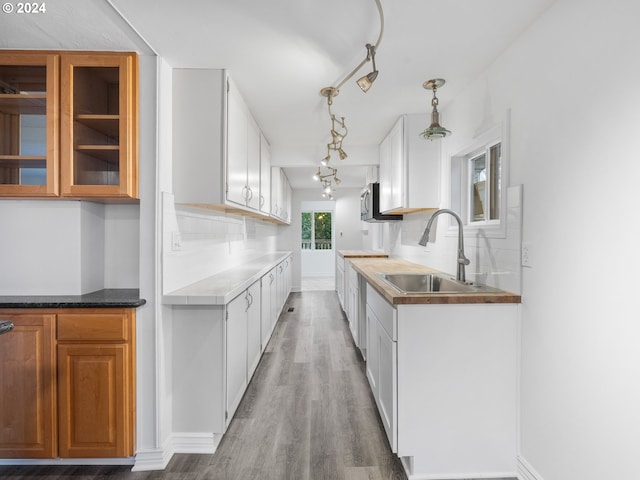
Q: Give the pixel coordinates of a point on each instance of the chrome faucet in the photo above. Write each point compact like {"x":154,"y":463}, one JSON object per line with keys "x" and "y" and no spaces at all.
{"x":462,"y":260}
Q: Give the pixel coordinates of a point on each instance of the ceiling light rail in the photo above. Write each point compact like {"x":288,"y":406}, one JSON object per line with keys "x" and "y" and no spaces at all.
{"x":366,"y":81}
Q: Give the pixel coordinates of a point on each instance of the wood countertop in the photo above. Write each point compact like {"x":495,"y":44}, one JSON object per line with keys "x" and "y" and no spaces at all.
{"x":361,"y":254}
{"x":370,"y":267}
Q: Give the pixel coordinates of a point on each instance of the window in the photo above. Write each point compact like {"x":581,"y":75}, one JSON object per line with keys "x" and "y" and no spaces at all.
{"x":479,"y":176}
{"x":484,"y":187}
{"x":316,"y":231}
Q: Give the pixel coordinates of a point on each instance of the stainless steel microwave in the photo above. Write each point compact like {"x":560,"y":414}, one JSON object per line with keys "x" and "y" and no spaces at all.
{"x":370,"y":205}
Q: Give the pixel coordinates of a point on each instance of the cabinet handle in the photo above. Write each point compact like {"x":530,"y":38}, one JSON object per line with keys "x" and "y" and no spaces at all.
{"x":5,"y":326}
{"x":246,"y":297}
{"x":250,"y":299}
{"x":261,"y":201}
{"x":244,"y":192}
{"x":250,"y":192}
{"x":271,"y":277}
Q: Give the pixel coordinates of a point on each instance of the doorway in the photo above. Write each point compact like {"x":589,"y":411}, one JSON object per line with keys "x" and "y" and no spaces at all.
{"x":317,"y":245}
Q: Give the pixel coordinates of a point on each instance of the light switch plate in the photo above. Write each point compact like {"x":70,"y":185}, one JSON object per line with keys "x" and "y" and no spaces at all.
{"x":526,"y":255}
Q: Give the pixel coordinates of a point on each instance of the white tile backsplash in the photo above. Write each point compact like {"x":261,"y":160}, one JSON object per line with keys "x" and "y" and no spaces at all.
{"x":494,"y":261}
{"x":210,"y":242}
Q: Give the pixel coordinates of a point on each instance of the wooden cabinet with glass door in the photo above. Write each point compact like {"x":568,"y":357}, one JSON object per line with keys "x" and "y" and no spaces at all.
{"x":99,"y":125}
{"x":29,"y":124}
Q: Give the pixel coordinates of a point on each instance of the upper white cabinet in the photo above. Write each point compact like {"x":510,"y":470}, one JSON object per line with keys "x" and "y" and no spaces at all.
{"x":281,"y":195}
{"x":265,"y":176}
{"x":409,"y":168}
{"x":221,"y":159}
{"x":243,"y":152}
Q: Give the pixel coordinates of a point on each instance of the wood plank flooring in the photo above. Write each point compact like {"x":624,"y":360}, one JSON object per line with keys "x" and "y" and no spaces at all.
{"x":308,"y":414}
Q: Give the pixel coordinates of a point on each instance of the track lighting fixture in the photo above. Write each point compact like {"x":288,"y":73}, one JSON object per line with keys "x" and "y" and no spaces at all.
{"x":366,"y":81}
{"x":327,"y":180}
{"x":338,"y":127}
{"x":435,"y":130}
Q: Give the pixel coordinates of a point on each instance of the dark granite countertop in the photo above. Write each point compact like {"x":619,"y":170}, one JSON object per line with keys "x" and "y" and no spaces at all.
{"x":107,"y":298}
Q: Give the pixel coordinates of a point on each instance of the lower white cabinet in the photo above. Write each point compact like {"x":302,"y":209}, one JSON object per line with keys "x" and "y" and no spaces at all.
{"x":243,"y":343}
{"x":215,"y":351}
{"x":382,"y":362}
{"x":267,"y":304}
{"x":444,"y":377}
{"x":340,"y":280}
{"x":236,"y":347}
{"x":254,"y":328}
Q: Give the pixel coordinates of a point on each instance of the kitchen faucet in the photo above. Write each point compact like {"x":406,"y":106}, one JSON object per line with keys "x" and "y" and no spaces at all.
{"x":462,"y":260}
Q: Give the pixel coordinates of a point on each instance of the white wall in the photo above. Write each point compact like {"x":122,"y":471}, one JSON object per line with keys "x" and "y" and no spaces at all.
{"x":571,"y":82}
{"x":349,"y":229}
{"x":67,"y":247}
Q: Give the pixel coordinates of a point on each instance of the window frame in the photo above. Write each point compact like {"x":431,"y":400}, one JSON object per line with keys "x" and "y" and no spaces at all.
{"x":313,"y":213}
{"x":461,"y":181}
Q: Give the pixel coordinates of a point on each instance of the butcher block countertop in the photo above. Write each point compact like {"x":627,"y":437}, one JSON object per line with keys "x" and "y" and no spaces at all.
{"x":370,"y":267}
{"x":361,"y":254}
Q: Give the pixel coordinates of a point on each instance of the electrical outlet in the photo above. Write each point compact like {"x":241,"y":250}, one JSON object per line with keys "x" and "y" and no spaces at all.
{"x":526,"y":256}
{"x":176,"y":241}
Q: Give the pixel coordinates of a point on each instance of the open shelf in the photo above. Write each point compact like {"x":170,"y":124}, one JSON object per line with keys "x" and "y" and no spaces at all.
{"x":22,"y":161}
{"x":106,"y":124}
{"x":23,"y":103}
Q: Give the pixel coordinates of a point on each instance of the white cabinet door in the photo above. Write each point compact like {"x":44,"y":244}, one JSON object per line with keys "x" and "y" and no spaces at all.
{"x":253,"y":163}
{"x":397,"y":160}
{"x":254,"y":337}
{"x":409,"y":168}
{"x":391,"y":157}
{"x":276,"y":192}
{"x":237,"y":147}
{"x":266,"y":318}
{"x":236,"y":348}
{"x":265,"y":176}
{"x":373,"y":365}
{"x":288,"y":199}
{"x":275,"y":304}
{"x":340,"y":285}
{"x":353,"y":311}
{"x":388,"y":385}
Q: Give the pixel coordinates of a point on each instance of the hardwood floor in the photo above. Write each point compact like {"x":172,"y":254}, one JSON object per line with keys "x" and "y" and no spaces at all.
{"x":308,"y":412}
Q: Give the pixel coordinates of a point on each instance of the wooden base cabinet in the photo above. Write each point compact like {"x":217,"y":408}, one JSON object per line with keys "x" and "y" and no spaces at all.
{"x":28,"y":427}
{"x":67,"y":384}
{"x":96,"y":384}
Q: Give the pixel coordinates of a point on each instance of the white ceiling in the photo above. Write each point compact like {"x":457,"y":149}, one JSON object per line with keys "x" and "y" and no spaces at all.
{"x":282,"y":52}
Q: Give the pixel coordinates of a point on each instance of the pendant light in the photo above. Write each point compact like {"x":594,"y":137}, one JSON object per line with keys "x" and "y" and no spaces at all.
{"x":435,"y":130}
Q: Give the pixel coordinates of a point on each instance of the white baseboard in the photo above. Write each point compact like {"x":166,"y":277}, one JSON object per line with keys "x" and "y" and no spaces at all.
{"x":526,"y":471}
{"x":198,"y":443}
{"x":451,"y":476}
{"x":204,"y":443}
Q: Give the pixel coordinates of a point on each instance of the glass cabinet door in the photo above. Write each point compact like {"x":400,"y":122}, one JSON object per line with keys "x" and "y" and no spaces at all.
{"x":99,"y":125}
{"x":29,"y":124}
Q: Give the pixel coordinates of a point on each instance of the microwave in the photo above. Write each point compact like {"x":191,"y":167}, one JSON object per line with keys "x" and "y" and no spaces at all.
{"x":370,"y":205}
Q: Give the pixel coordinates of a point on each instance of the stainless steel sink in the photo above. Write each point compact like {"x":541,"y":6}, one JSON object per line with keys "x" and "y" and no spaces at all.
{"x":430,"y":283}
